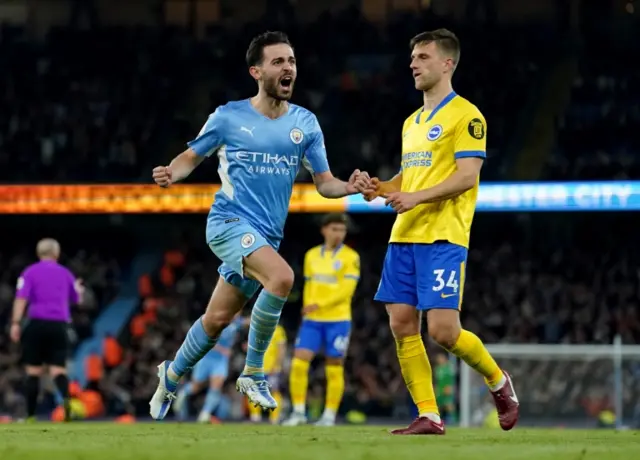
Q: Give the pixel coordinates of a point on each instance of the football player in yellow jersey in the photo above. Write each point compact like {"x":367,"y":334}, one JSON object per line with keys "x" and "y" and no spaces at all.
{"x":273,"y":361}
{"x":443,"y":148}
{"x":331,"y":273}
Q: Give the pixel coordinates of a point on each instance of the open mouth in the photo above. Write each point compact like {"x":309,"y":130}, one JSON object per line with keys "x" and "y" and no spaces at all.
{"x":286,"y":82}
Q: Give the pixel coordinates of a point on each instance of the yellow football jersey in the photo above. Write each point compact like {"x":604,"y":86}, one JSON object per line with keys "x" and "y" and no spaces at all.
{"x":331,"y":278}
{"x":432,"y":141}
{"x":272,"y":362}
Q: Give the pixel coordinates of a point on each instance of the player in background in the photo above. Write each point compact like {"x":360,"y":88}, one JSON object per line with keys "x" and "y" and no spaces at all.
{"x":273,"y":364}
{"x":212,"y":369}
{"x":331,"y":273}
{"x":435,"y":193}
{"x":260,"y":144}
{"x":445,"y":387}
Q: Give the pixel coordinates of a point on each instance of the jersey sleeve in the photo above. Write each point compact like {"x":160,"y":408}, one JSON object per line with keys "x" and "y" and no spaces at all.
{"x":352,"y":268}
{"x":306,"y":270}
{"x":23,"y":286}
{"x":471,"y":136}
{"x":315,"y":155}
{"x":210,"y":138}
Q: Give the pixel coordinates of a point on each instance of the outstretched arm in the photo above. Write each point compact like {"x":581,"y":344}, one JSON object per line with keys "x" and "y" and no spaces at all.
{"x":331,"y":187}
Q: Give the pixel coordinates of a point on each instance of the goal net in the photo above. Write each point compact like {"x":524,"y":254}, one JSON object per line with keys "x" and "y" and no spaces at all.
{"x":560,"y":385}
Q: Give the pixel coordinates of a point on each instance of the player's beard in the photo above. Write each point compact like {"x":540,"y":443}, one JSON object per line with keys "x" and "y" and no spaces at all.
{"x":273,"y":90}
{"x":426,"y":82}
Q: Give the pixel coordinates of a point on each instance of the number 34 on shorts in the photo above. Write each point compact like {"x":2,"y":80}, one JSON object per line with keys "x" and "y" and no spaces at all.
{"x":426,"y":276}
{"x":447,"y":288}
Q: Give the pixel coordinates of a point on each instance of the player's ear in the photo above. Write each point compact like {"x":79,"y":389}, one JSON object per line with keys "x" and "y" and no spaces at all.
{"x":450,"y":65}
{"x":255,"y":72}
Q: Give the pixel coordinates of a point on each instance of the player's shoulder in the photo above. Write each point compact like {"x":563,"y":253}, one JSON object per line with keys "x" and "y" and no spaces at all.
{"x":303,"y":116}
{"x":465,"y":109}
{"x":231,"y":107}
{"x":298,"y":110}
{"x":411,"y":118}
{"x":314,"y":251}
{"x":349,"y":253}
{"x":29,"y":270}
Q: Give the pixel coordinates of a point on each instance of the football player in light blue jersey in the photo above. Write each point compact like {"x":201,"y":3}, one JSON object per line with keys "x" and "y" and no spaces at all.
{"x":214,"y":369}
{"x":260,"y":144}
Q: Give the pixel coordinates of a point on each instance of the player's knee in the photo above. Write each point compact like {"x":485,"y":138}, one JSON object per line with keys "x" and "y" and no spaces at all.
{"x":214,"y":321}
{"x":444,"y":333}
{"x":280,"y":282}
{"x":304,"y":355}
{"x":403,"y":325}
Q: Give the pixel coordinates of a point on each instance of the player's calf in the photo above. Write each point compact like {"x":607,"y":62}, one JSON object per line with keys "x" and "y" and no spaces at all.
{"x":445,"y":329}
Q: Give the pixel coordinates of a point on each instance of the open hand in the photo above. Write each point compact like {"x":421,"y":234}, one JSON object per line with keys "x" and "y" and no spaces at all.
{"x":162,"y":176}
{"x":358,"y":182}
{"x":402,"y":201}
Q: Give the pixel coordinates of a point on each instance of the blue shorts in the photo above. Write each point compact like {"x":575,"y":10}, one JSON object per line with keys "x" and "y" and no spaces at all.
{"x":426,"y":276}
{"x":331,"y":337}
{"x":212,"y":365}
{"x":231,"y":241}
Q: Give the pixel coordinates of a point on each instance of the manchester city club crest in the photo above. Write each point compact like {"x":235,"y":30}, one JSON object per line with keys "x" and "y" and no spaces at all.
{"x":296,"y":135}
{"x":247,"y":240}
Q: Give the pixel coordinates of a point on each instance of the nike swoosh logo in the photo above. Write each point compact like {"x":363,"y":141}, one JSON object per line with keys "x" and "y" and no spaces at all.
{"x":514,"y":399}
{"x":445,"y":296}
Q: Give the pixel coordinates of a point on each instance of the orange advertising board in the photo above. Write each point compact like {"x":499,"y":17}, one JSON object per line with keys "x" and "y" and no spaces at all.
{"x":136,"y":199}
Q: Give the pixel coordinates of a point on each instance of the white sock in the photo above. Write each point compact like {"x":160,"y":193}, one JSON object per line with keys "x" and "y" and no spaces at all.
{"x":435,"y":418}
{"x":499,"y":385}
{"x":299,"y":409}
{"x":329,"y":414}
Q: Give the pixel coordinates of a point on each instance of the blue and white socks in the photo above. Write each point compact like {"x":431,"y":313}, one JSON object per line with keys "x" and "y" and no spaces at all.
{"x":264,"y":320}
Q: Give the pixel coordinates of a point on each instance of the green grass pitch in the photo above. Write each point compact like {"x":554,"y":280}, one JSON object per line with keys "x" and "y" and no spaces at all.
{"x":160,"y":441}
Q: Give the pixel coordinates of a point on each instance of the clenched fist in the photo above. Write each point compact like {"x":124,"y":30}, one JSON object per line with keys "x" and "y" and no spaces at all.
{"x":162,"y":176}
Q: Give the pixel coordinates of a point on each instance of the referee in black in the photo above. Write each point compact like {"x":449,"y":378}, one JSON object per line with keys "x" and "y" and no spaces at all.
{"x":45,"y":292}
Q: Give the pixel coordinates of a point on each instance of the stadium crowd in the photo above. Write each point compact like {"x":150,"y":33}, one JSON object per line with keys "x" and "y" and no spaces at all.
{"x":112,"y":114}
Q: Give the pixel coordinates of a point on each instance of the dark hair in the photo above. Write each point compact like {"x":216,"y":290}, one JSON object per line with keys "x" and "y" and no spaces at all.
{"x":259,"y":43}
{"x":335,"y":218}
{"x":446,"y":41}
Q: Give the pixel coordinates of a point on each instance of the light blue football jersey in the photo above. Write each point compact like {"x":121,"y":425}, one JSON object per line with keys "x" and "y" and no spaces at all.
{"x":259,"y":159}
